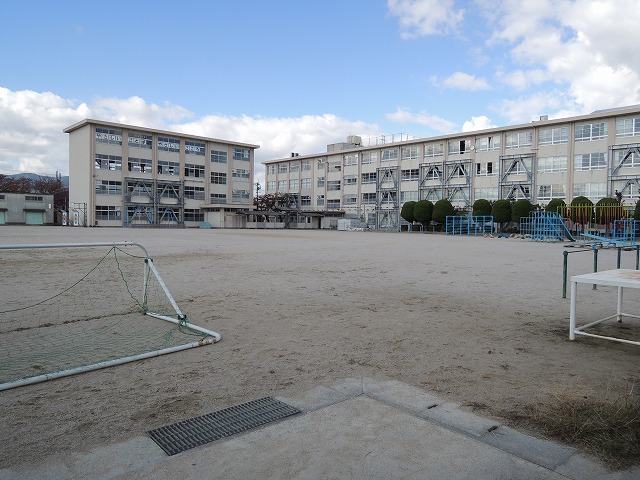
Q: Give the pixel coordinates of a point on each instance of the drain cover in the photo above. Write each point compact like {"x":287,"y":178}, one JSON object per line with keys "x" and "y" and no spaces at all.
{"x":198,"y":431}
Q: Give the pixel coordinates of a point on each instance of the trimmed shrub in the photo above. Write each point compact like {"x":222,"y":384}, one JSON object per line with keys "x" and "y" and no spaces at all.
{"x":442,"y":209}
{"x":636,"y":212}
{"x":582,"y":216}
{"x":501,"y":211}
{"x":553,"y":205}
{"x":606,"y":216}
{"x":423,"y":212}
{"x":521,"y":208}
{"x":407,"y":211}
{"x":481,"y":207}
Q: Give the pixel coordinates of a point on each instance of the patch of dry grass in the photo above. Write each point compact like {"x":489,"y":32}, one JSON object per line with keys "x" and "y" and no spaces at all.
{"x":608,"y":429}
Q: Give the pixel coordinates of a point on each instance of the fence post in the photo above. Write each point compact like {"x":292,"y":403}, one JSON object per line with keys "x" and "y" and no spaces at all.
{"x":564,"y":274}
{"x":595,"y":264}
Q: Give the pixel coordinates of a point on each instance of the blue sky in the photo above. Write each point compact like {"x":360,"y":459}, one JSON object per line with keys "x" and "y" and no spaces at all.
{"x":296,"y":75}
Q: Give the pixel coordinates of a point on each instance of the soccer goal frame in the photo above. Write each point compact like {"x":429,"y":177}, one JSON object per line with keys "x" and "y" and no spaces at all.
{"x":150,"y":272}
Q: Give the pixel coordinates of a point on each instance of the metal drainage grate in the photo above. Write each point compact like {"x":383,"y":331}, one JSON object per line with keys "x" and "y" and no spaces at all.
{"x":197,"y":431}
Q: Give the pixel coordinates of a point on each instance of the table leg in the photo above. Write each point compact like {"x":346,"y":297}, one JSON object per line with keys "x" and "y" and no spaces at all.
{"x":572,"y":311}
{"x":619,"y":311}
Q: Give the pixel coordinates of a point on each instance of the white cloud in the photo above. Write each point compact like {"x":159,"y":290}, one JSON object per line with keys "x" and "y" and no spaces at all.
{"x":32,"y":123}
{"x":465,"y":81}
{"x":434,"y":122}
{"x":477,"y":123}
{"x":426,"y":17}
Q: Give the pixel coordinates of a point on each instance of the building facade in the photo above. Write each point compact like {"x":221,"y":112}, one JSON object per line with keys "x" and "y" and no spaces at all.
{"x":591,"y":155}
{"x":123,"y":175}
{"x":26,"y":209}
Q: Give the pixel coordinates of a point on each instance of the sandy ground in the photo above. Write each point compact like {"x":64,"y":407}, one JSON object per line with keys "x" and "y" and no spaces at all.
{"x":479,"y":321}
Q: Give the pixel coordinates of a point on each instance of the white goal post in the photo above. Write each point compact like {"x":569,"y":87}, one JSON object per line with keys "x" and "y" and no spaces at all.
{"x":63,"y":313}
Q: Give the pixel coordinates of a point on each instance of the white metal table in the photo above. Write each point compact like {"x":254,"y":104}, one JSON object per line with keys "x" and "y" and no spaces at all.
{"x":619,"y":278}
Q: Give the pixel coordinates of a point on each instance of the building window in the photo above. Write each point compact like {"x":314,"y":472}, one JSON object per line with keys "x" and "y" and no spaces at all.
{"x":108,"y":162}
{"x":490,"y":193}
{"x":350,"y":199}
{"x":108,"y":187}
{"x":240,"y":196}
{"x":305,"y":201}
{"x":140,"y":140}
{"x":434,"y":149}
{"x":411,"y":196}
{"x":306,"y":165}
{"x":350,"y":179}
{"x":294,"y":167}
{"x":139,"y":165}
{"x":168,"y":168}
{"x":370,"y":177}
{"x":167,"y":191}
{"x":193,"y":170}
{"x":193,"y":215}
{"x":389,"y":154}
{"x":218,"y":156}
{"x":283,"y":168}
{"x":484,"y":169}
{"x":458,"y":147}
{"x":589,"y":161}
{"x":369,"y":157}
{"x":553,"y":136}
{"x":320,"y":200}
{"x":218,"y":198}
{"x":320,"y":182}
{"x":33,"y":198}
{"x":241,"y":154}
{"x":368,"y":198}
{"x":548,"y":192}
{"x":194,"y":148}
{"x":293,"y":184}
{"x":305,"y":183}
{"x":104,"y":212}
{"x":271,"y":186}
{"x":241,"y":174}
{"x":106,"y":135}
{"x":333,"y":204}
{"x":167,"y":144}
{"x":552,"y":164}
{"x":410,"y":153}
{"x":218,"y":178}
{"x":282,"y":185}
{"x":194,"y":193}
{"x":518,"y":139}
{"x":487,"y":144}
{"x":333,"y":185}
{"x":335,"y":166}
{"x":591,"y":131}
{"x":632,"y":160}
{"x":410,"y":175}
{"x":627,"y":127}
{"x":351,"y":159}
{"x":320,"y":163}
{"x":593,"y":191}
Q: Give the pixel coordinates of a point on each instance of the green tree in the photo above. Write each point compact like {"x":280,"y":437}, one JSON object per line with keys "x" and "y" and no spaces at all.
{"x":407,"y":211}
{"x":554,"y":204}
{"x":442,"y":209}
{"x":580,"y":212}
{"x":423,"y":212}
{"x":636,"y":212}
{"x":608,"y":215}
{"x":521,"y":208}
{"x":501,"y":211}
{"x":481,"y":207}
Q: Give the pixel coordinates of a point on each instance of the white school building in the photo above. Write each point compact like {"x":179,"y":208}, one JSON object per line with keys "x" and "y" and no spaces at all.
{"x":124,"y":175}
{"x":368,"y":181}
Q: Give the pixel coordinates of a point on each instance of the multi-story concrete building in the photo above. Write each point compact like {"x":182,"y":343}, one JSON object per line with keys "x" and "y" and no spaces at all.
{"x":590,"y":155}
{"x":123,"y":175}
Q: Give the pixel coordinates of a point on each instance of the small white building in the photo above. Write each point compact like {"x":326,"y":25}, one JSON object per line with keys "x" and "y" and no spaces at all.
{"x":124,"y":175}
{"x":26,"y":209}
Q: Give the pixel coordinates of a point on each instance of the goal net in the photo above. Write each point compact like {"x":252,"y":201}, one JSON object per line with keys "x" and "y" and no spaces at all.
{"x":71,"y":308}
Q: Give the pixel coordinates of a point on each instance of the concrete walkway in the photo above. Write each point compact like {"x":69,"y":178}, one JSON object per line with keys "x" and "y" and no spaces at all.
{"x":359,"y":429}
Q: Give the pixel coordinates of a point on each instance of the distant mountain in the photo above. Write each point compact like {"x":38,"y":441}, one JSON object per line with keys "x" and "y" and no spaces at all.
{"x":34,"y":176}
